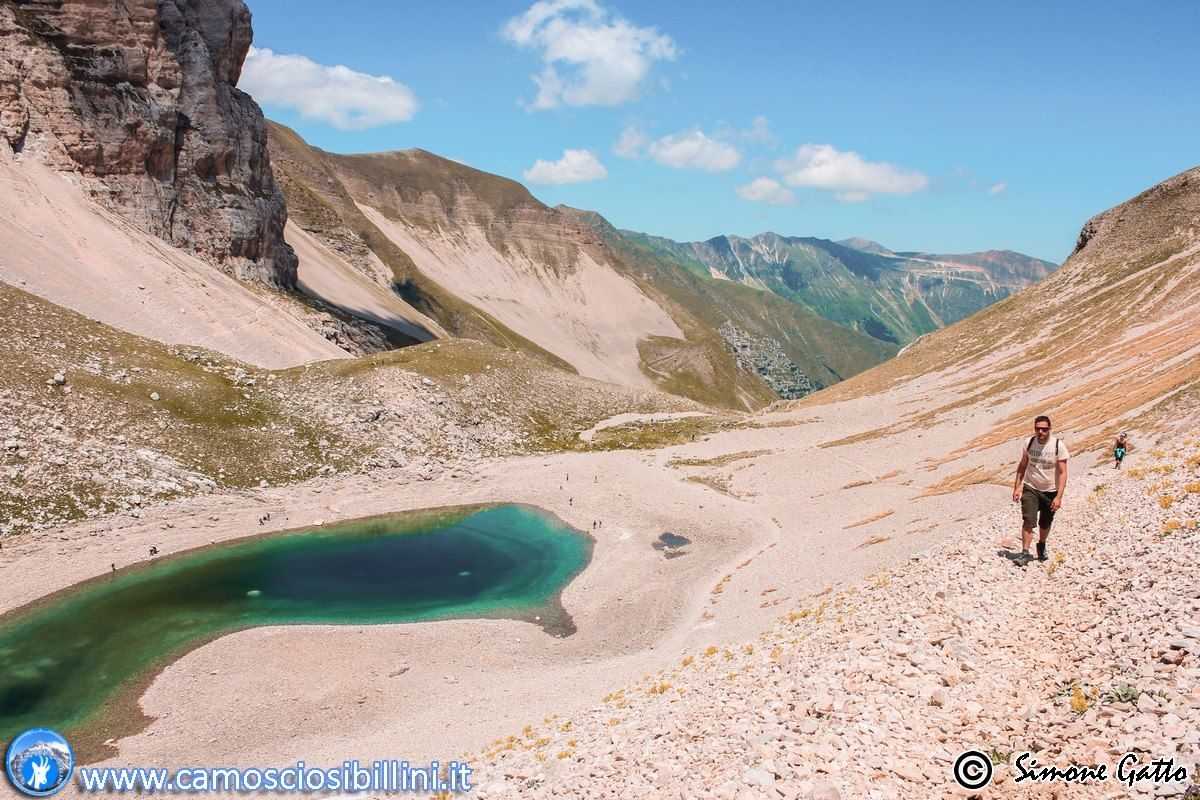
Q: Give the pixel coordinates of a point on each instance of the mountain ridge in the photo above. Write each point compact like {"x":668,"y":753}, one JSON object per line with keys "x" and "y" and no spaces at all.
{"x":1146,"y":248}
{"x":894,"y":297}
{"x":478,"y":254}
{"x":823,"y":351}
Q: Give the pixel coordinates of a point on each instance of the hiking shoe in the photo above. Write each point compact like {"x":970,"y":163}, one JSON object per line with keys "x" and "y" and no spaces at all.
{"x":1041,"y":551}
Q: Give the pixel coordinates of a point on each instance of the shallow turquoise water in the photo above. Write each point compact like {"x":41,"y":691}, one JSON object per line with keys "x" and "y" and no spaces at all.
{"x":66,"y":658}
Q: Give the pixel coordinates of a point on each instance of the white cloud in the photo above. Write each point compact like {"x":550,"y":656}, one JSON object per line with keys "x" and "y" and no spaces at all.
{"x":759,"y":131}
{"x":997,"y":188}
{"x":346,"y":99}
{"x":575,"y":166}
{"x":631,"y":143}
{"x":694,"y":150}
{"x":849,"y":175}
{"x":767,"y":191}
{"x":592,"y":57}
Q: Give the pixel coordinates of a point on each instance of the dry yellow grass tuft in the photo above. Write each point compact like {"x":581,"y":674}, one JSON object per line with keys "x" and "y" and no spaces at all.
{"x":1079,"y":701}
{"x":718,"y":461}
{"x":967,"y":477}
{"x":869,"y":520}
{"x":872,"y":541}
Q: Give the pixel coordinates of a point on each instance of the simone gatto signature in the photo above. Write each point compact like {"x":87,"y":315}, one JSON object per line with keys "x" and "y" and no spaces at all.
{"x":1129,"y":770}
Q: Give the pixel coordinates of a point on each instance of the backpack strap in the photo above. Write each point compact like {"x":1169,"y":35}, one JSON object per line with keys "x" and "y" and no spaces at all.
{"x":1029,"y":446}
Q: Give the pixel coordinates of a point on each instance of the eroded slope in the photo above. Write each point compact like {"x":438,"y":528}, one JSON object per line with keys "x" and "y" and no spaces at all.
{"x":482,"y":258}
{"x":1109,"y":340}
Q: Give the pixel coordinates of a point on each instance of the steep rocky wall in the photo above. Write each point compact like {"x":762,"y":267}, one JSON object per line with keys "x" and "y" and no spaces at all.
{"x":139,"y":98}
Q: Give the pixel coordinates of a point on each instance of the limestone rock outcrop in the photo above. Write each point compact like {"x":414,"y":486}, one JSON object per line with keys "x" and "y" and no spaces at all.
{"x":140,"y":99}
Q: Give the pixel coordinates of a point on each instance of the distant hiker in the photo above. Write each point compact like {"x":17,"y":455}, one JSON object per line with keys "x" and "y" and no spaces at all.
{"x":114,"y":567}
{"x":1040,"y":484}
{"x":1120,"y":449}
{"x":153,"y":551}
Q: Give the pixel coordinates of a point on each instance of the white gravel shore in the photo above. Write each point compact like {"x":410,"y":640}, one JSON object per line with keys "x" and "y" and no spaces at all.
{"x":873,"y":691}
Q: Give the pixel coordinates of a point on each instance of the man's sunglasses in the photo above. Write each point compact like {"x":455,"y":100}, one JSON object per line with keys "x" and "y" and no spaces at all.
{"x":1040,"y":428}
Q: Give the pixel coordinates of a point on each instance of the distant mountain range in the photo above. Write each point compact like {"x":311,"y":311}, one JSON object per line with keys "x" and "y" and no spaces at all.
{"x":892,"y":296}
{"x":825,"y":353}
{"x":239,"y":236}
{"x":1095,"y":369}
{"x":732,"y":322}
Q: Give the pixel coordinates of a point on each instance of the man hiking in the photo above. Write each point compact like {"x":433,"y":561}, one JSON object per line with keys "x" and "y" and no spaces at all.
{"x":1041,"y":481}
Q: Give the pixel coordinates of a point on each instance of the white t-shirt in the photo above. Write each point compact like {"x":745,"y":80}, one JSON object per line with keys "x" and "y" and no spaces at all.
{"x":1040,"y":474}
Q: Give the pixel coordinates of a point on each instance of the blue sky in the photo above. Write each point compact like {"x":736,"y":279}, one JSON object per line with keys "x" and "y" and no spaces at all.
{"x":936,"y":126}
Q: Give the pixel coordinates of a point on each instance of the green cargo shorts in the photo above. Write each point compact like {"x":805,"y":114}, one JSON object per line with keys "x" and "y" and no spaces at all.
{"x":1035,"y":507}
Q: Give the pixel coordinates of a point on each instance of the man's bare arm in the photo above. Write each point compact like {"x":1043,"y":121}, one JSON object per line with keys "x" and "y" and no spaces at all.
{"x":1021,"y":467}
{"x":1060,"y":483}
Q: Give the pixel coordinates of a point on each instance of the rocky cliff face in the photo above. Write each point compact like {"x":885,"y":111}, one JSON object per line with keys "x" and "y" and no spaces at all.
{"x":139,"y":98}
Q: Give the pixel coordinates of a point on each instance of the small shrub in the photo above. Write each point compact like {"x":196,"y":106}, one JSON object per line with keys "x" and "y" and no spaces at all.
{"x":1124,"y":693}
{"x":998,"y":756}
{"x":1079,"y":701}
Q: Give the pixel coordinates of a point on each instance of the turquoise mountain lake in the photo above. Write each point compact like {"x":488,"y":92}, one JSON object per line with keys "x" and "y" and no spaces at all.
{"x":77,"y":660}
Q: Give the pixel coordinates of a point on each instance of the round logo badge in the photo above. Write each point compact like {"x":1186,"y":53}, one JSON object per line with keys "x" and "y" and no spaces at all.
{"x":39,"y":762}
